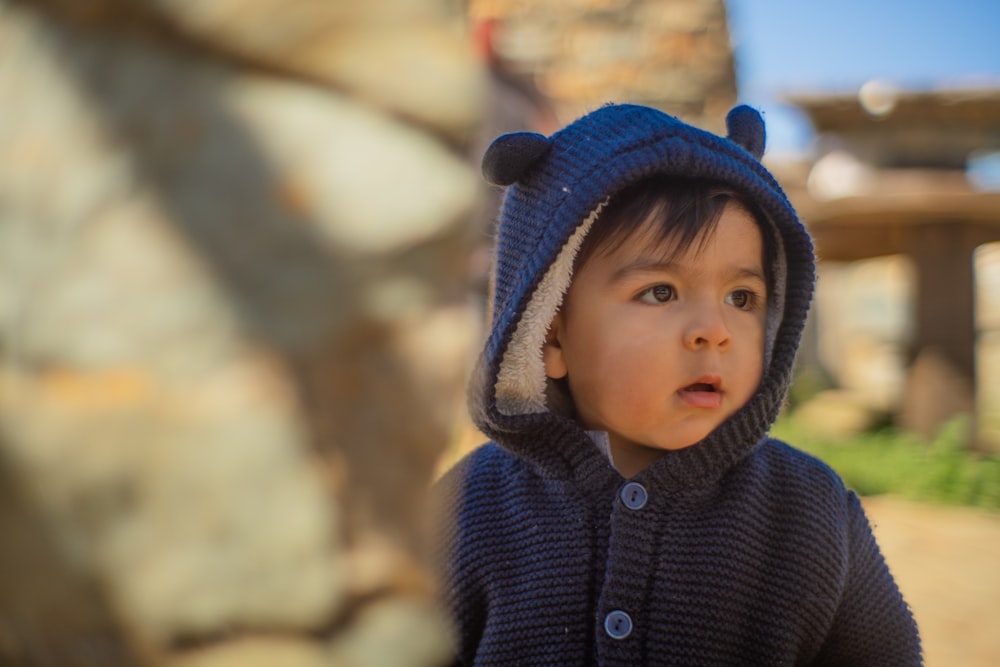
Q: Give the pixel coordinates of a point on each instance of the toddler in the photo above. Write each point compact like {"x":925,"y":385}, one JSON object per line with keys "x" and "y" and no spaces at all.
{"x":650,"y":289}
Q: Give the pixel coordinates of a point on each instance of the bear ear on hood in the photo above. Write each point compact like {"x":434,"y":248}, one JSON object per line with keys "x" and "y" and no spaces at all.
{"x":746,"y":128}
{"x":510,"y":156}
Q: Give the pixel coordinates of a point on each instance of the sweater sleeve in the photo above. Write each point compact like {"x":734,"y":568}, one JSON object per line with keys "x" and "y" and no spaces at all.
{"x":873,"y":625}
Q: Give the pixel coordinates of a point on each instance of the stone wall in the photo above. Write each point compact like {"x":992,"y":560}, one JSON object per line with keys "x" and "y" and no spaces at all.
{"x":671,"y":54}
{"x":232,"y":331}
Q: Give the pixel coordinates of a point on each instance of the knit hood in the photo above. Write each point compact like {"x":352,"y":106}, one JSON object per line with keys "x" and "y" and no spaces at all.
{"x":555,"y":189}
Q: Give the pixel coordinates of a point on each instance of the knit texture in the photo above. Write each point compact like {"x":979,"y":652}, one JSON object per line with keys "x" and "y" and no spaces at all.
{"x":775,"y":564}
{"x":745,"y":551}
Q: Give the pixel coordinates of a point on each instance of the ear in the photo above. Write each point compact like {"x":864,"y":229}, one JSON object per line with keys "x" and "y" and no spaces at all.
{"x":510,"y":156}
{"x":552,"y":354}
{"x":746,"y":128}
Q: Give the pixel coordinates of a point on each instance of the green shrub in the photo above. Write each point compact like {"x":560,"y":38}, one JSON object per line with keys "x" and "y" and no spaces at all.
{"x":890,"y":461}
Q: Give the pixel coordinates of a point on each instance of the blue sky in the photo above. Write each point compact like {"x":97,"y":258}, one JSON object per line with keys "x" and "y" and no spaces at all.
{"x":784,"y":46}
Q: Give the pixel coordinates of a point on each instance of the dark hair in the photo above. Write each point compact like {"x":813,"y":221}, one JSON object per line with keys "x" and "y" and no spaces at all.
{"x":686,"y":212}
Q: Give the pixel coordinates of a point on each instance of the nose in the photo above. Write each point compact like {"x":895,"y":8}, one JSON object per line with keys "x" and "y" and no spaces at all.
{"x":707,"y":329}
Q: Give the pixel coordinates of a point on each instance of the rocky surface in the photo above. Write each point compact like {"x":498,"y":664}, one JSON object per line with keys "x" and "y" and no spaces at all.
{"x":232,"y":327}
{"x":671,"y":54}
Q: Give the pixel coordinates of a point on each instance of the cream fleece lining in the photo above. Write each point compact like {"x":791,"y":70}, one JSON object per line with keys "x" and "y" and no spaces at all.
{"x":520,"y":387}
{"x":776,"y":299}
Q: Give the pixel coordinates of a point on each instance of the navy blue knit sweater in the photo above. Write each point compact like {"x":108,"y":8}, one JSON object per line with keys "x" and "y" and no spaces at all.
{"x":738,"y":550}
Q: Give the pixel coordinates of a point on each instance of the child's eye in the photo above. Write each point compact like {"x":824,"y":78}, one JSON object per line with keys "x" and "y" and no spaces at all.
{"x":658,"y":294}
{"x":743,"y":299}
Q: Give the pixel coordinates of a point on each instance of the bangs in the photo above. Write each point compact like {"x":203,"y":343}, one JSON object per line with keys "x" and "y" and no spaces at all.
{"x":673,"y":215}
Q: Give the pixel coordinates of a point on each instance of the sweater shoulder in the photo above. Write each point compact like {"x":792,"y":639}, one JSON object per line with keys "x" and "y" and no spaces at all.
{"x":487,"y":460}
{"x":794,"y":477}
{"x":483,"y":472}
{"x":789,"y":461}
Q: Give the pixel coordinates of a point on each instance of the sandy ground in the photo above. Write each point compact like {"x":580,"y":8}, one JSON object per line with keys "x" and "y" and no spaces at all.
{"x":947,"y":563}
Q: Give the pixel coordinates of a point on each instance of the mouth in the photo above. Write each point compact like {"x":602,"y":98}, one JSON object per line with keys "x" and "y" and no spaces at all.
{"x":707,"y":384}
{"x":706,"y":392}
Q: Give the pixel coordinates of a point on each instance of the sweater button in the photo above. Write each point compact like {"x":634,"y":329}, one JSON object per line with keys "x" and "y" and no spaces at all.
{"x":618,"y":624}
{"x":634,"y":496}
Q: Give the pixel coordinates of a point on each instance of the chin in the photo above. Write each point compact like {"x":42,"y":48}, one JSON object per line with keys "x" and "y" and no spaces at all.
{"x":684,"y":441}
{"x":675,"y":446}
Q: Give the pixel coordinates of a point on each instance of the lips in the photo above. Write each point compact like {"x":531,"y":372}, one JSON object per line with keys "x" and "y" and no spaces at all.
{"x":705,"y":393}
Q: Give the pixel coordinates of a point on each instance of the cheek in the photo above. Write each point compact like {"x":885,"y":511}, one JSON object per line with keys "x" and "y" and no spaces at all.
{"x":609,"y":393}
{"x":618,"y":365}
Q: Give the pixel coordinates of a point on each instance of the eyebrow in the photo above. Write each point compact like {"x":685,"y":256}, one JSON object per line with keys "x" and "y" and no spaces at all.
{"x":649,"y":265}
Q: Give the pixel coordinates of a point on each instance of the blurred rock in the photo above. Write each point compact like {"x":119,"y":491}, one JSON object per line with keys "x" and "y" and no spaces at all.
{"x":232,"y":329}
{"x":671,"y":54}
{"x":836,"y":413}
{"x":393,"y":632}
{"x":936,"y":391}
{"x":256,"y":652}
{"x":196,"y":505}
{"x":407,"y":57}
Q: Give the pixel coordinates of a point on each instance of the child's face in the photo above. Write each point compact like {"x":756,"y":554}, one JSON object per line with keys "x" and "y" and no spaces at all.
{"x":659,"y":353}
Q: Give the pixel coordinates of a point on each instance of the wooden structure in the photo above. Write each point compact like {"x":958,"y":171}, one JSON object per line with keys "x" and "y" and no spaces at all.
{"x":903,"y":189}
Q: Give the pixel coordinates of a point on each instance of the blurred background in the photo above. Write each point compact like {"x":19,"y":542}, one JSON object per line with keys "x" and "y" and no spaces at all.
{"x":244,"y":251}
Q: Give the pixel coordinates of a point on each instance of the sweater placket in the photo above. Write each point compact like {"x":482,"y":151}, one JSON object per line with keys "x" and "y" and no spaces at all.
{"x":622,"y":622}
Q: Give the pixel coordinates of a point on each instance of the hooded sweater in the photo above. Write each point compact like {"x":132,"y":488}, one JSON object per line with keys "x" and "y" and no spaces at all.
{"x":737,"y":550}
